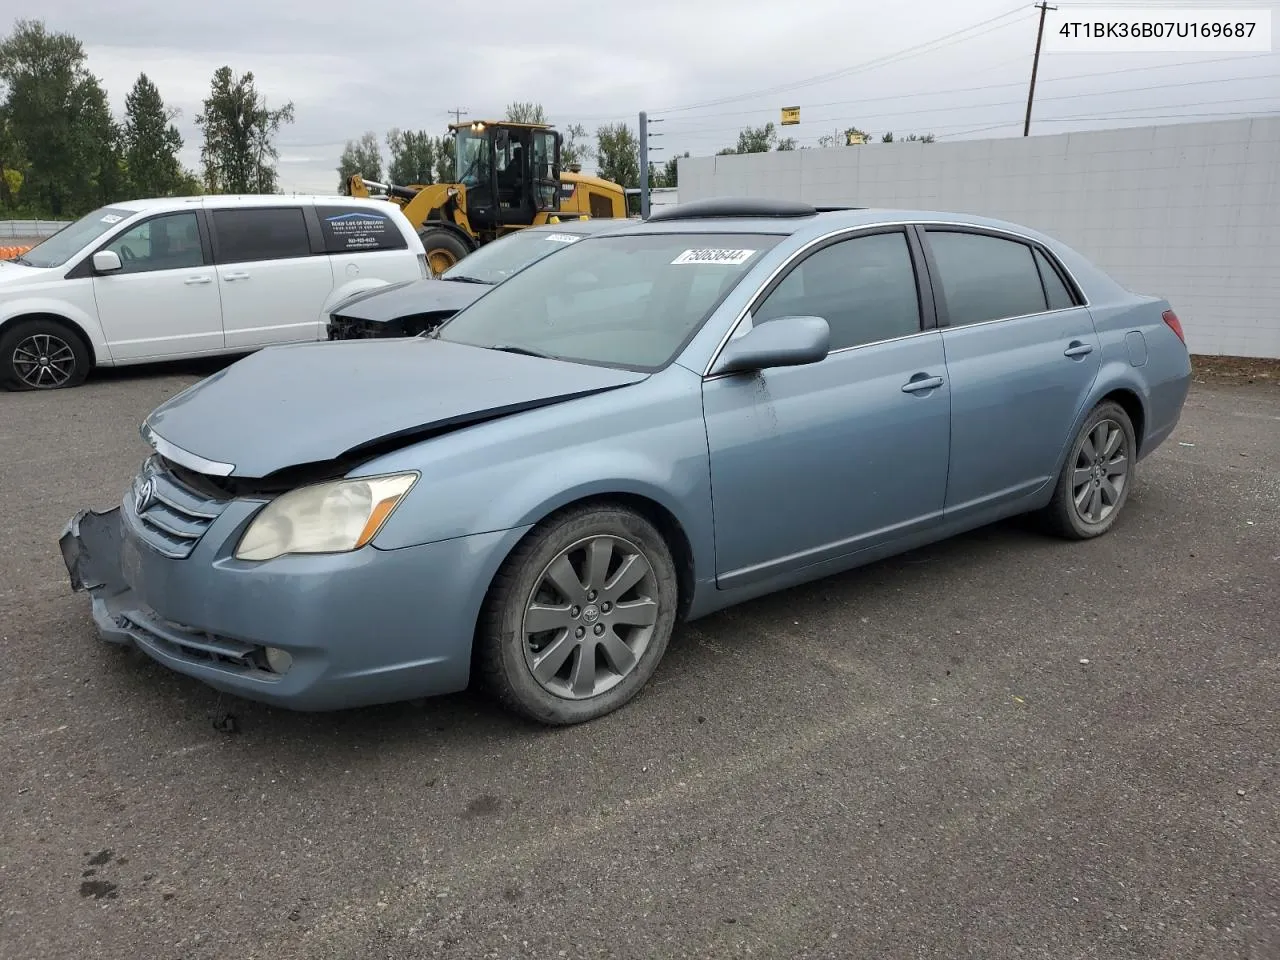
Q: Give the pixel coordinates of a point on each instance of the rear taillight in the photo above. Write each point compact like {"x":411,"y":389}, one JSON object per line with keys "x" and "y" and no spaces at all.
{"x":1171,"y":319}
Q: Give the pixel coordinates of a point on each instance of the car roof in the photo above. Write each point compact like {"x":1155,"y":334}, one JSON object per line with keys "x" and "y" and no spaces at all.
{"x":146,"y":204}
{"x":791,"y":218}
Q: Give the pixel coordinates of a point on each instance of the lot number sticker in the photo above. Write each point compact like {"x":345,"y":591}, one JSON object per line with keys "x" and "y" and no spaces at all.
{"x":562,"y":238}
{"x":730,"y":258}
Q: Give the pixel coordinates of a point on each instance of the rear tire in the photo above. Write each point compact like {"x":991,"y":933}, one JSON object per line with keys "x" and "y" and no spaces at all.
{"x":444,"y":248}
{"x":42,"y":354}
{"x":1096,"y":476}
{"x":579,"y":615}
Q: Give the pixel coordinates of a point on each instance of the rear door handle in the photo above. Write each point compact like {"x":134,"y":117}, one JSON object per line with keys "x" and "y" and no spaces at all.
{"x":920,"y":382}
{"x":190,"y":281}
{"x":235,"y":276}
{"x":1078,"y":349}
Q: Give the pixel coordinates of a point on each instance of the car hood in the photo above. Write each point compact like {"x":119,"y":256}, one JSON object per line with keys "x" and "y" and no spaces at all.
{"x":385,"y":304}
{"x":314,"y":403}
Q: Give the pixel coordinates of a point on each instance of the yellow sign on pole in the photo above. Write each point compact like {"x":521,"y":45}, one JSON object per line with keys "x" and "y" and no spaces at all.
{"x":790,"y":115}
{"x":857,"y":138}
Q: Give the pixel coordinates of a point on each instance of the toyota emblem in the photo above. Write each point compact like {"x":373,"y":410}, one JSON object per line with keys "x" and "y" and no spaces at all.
{"x":144,"y":494}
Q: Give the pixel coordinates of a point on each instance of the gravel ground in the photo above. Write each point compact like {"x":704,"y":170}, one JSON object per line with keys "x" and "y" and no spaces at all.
{"x":998,"y":747}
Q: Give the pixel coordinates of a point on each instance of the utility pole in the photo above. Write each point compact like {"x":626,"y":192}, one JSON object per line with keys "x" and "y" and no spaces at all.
{"x":644,"y":162}
{"x":457,"y":114}
{"x":1035,"y":65}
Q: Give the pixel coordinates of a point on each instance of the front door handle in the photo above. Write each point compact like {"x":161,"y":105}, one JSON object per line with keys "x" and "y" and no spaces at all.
{"x":235,"y":276}
{"x":190,"y":281}
{"x":921,"y":382}
{"x":1078,"y":349}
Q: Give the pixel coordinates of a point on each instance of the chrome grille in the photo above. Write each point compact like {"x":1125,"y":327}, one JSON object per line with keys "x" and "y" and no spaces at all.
{"x":167,"y":513}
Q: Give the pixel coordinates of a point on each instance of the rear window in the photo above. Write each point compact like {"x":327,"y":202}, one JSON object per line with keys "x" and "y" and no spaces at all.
{"x":260,"y":233}
{"x":359,"y":229}
{"x":626,"y":301}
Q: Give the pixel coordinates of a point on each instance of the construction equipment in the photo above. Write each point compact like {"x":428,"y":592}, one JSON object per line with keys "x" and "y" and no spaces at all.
{"x":508,"y":178}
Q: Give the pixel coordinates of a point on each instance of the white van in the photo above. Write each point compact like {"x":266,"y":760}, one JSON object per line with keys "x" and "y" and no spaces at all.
{"x":164,"y":279}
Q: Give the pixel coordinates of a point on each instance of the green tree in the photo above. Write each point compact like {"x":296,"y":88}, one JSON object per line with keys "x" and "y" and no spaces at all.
{"x":526,"y":113}
{"x":57,"y":130}
{"x":239,"y":153}
{"x":618,"y":154}
{"x":363,"y":156}
{"x":151,"y":143}
{"x":445,"y":160}
{"x":671,"y":171}
{"x":412,"y":157}
{"x":574,"y":150}
{"x":758,"y":140}
{"x":927,"y":138}
{"x":96,"y":144}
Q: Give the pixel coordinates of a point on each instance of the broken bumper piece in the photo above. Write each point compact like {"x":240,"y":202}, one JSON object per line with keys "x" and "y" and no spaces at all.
{"x":90,"y":545}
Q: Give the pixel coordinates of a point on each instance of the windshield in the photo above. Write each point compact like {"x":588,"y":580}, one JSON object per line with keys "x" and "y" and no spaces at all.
{"x":631,"y":301}
{"x":498,"y":260}
{"x":74,"y":237}
{"x":471,"y":161}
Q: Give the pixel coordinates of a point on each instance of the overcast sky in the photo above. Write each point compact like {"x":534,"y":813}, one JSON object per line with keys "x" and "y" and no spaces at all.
{"x":399,"y":67}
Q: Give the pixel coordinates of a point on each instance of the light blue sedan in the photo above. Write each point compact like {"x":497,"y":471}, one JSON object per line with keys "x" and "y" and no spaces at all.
{"x":728,"y":399}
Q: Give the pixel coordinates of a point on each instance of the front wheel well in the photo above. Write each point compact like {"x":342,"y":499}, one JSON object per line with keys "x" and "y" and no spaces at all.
{"x":70,"y":325}
{"x":663,"y":519}
{"x":1132,"y":405}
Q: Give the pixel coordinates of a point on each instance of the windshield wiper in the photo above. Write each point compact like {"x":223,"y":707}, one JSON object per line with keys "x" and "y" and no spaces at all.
{"x":512,"y":348}
{"x":466,"y":279}
{"x":22,"y":260}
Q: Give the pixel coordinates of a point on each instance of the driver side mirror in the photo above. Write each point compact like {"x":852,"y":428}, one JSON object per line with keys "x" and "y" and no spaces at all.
{"x":106,"y":261}
{"x":785,"y":342}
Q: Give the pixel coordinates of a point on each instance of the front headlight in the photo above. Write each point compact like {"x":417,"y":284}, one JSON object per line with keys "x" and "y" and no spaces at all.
{"x":332,"y":517}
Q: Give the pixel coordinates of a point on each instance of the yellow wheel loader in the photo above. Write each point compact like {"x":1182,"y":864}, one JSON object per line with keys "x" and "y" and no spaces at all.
{"x":508,"y":178}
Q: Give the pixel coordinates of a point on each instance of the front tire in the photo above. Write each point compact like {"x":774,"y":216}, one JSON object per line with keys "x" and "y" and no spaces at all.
{"x":444,"y":248}
{"x":579,"y":615}
{"x":1096,"y":477}
{"x":42,"y":355}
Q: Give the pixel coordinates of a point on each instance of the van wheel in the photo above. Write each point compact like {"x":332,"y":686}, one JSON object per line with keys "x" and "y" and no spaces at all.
{"x":42,"y":355}
{"x":444,"y":248}
{"x":579,"y":616}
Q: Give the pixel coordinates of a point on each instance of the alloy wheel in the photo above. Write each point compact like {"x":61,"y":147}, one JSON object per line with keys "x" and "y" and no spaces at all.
{"x":43,"y":361}
{"x":1101,"y":472}
{"x":590,"y":617}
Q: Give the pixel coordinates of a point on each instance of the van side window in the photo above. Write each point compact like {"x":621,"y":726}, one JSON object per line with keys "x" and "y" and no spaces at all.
{"x":260,"y":233}
{"x":358,"y":229}
{"x":169,"y":242}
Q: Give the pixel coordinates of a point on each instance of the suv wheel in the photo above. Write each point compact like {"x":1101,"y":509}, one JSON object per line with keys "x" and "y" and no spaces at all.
{"x":42,"y":355}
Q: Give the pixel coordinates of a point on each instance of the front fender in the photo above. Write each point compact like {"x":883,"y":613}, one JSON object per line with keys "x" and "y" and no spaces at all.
{"x":64,"y":309}
{"x":645,"y":440}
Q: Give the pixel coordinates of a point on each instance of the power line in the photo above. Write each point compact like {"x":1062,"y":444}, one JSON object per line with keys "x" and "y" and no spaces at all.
{"x":977,"y":89}
{"x":1092,"y":119}
{"x":953,"y":37}
{"x":694,"y":133}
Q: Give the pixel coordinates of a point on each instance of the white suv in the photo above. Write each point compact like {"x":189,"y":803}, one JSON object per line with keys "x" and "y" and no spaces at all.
{"x":164,"y":279}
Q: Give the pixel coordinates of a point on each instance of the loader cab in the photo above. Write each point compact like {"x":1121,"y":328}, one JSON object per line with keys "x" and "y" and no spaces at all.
{"x":511,"y":172}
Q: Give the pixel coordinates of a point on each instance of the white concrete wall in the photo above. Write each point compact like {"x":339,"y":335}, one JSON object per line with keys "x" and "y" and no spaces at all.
{"x":1189,"y":212}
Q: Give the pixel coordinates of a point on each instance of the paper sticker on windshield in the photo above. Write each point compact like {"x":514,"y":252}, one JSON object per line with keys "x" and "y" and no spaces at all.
{"x":112,"y":218}
{"x":730,"y":258}
{"x":563,"y":238}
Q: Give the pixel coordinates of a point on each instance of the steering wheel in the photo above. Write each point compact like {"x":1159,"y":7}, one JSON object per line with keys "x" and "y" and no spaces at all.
{"x":126,"y":254}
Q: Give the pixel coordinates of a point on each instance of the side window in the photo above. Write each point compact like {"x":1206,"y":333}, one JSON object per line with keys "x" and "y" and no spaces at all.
{"x":261,"y":233}
{"x":985,"y":278}
{"x":170,"y":242}
{"x":356,"y":229}
{"x":1055,"y":289}
{"x":865,"y":288}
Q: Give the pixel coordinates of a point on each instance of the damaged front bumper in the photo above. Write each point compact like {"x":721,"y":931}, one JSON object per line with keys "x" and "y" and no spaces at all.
{"x":90,"y":546}
{"x":370,"y":626}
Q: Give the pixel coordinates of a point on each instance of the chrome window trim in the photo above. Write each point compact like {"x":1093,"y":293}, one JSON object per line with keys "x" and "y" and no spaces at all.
{"x":185,"y":458}
{"x":880,"y":224}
